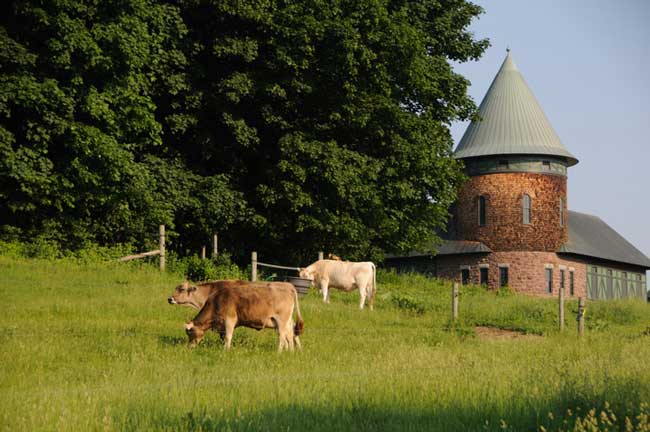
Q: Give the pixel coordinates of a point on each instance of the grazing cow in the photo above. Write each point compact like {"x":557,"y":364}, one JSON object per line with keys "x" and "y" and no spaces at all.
{"x":343,"y":275}
{"x":249,"y":304}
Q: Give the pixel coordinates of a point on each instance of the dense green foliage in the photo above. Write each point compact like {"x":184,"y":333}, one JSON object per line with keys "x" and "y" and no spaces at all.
{"x":288,"y":127}
{"x":97,"y":347}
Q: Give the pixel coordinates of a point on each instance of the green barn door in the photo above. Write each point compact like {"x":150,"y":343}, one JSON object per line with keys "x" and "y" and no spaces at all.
{"x":592,"y":283}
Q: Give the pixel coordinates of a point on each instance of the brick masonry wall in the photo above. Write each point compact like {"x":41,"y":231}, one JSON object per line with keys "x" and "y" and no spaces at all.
{"x":526,"y":271}
{"x":504,"y":229}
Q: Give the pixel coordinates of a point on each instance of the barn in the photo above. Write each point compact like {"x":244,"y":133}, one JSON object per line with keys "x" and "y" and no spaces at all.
{"x":511,"y":225}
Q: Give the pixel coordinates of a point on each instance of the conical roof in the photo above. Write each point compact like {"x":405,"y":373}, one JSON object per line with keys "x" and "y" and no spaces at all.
{"x":512,"y":122}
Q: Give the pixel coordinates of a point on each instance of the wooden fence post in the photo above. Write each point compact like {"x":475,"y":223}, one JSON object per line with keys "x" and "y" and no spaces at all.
{"x":581,"y":316}
{"x":454,"y":301}
{"x":203,"y":252}
{"x":561,"y":304}
{"x":215,"y":249}
{"x":254,"y":266}
{"x":320,"y":255}
{"x":161,"y":246}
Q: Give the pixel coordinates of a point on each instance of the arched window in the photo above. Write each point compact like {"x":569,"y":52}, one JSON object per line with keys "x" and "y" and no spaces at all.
{"x":561,"y":212}
{"x":481,"y":210}
{"x":525,"y":206}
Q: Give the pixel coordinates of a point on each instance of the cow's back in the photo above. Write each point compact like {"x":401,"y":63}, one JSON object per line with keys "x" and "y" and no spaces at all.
{"x":253,"y":303}
{"x":345,"y":274}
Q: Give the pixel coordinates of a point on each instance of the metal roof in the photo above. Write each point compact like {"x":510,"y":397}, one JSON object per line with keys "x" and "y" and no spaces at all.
{"x":590,"y":236}
{"x":449,"y":247}
{"x":512,"y":122}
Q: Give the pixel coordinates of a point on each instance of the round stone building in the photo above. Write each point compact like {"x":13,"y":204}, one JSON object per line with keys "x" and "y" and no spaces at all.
{"x":511,"y":225}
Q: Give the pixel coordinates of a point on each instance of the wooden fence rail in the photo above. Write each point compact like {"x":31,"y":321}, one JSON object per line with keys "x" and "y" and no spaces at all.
{"x":255,"y":263}
{"x":160,"y":251}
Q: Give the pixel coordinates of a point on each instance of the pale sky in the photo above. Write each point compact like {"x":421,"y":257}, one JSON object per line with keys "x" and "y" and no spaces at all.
{"x":588,"y":64}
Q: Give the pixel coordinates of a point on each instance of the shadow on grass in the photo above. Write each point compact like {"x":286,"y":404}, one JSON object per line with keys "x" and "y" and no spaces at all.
{"x":172,"y":340}
{"x":359,"y":415}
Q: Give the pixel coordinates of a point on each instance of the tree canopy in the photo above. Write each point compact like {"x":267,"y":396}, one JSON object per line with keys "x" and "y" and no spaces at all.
{"x":286,"y":126}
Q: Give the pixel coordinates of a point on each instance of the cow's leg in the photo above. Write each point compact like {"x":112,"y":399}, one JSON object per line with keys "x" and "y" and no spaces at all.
{"x":230,"y":329}
{"x":324,"y":289}
{"x":371,"y":297}
{"x":362,"y":296}
{"x":294,"y":336}
{"x":289,"y":335}
{"x":280,"y":330}
{"x":296,"y":341}
{"x":283,"y":335}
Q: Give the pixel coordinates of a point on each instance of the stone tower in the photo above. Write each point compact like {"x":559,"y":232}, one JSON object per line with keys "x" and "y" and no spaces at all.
{"x":511,"y":226}
{"x":516,"y":197}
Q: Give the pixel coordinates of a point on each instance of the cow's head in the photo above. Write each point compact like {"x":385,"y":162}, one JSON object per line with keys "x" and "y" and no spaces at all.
{"x":183,"y":295}
{"x":306,"y":273}
{"x":194,"y":333}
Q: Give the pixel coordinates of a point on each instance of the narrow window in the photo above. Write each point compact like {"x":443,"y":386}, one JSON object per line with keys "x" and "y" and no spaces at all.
{"x":549,"y":280}
{"x":546,"y":165}
{"x":571,"y":289}
{"x":481,"y":210}
{"x":483,"y":275}
{"x":561,"y":279}
{"x":503,"y":164}
{"x":503,"y":276}
{"x":594,"y":282}
{"x":464,"y":276}
{"x":561,"y":212}
{"x":525,"y":204}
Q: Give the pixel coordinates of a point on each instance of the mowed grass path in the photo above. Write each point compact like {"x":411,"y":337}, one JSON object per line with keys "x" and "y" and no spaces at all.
{"x":97,"y":347}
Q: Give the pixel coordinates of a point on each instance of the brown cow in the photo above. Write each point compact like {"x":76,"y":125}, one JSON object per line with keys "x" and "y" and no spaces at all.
{"x":249,"y":304}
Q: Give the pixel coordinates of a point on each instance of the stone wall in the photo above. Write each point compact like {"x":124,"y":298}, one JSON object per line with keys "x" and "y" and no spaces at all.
{"x":526,"y":270}
{"x":504,"y":229}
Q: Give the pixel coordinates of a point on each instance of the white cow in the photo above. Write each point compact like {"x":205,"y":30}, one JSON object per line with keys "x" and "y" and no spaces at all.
{"x":343,"y":275}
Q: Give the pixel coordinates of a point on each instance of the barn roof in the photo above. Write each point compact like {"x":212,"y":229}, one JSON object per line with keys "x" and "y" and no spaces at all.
{"x":591,"y":236}
{"x":449,"y":247}
{"x":512,"y":122}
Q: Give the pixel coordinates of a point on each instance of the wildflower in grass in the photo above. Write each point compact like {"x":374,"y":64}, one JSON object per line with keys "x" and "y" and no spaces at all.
{"x":628,"y":424}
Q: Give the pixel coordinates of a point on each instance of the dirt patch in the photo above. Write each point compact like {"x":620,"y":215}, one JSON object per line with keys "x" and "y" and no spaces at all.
{"x":494,"y":333}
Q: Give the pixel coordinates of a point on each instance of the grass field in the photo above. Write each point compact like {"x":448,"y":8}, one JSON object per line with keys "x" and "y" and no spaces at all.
{"x":97,"y":347}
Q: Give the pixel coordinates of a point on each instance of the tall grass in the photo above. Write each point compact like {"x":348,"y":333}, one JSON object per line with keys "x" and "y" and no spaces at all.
{"x":96,"y":347}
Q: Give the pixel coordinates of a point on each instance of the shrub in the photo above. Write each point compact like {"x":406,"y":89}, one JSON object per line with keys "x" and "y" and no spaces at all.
{"x":197,"y":269}
{"x":405,"y":302}
{"x":42,"y":248}
{"x":12,"y":249}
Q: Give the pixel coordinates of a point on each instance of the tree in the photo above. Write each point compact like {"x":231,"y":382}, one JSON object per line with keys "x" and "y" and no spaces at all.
{"x":82,"y":152}
{"x":331,"y":117}
{"x":287,"y":126}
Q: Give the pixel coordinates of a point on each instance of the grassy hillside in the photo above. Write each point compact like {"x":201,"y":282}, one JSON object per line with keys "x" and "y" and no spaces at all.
{"x":96,"y":347}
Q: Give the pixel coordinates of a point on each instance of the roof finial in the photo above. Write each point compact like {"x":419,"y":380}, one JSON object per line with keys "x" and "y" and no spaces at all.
{"x":507,"y":50}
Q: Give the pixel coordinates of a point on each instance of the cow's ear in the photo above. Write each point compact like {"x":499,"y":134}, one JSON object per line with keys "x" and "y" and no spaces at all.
{"x":192,"y":288}
{"x":185,"y":284}
{"x":189,"y":325}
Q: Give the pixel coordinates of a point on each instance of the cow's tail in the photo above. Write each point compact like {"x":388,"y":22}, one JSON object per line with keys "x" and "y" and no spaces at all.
{"x":300,"y":324}
{"x":374,"y":286}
